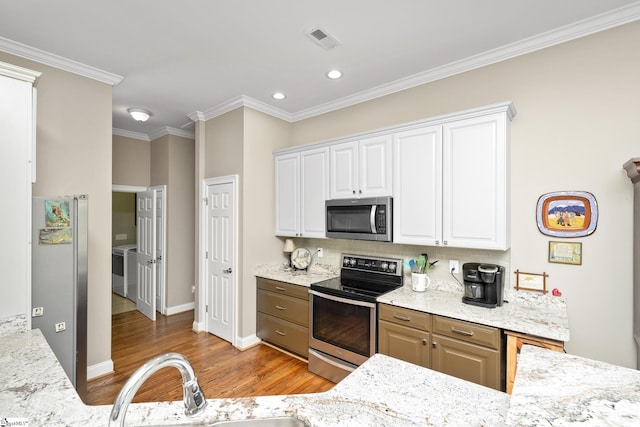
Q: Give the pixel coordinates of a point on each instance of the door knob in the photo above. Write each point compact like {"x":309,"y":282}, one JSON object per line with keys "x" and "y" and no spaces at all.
{"x":227,"y":271}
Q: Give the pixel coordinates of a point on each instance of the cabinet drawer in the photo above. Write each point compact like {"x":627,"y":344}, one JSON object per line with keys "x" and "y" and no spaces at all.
{"x":287,"y":335}
{"x":283,"y":288}
{"x":465,"y":331}
{"x":292,"y":309}
{"x":405,"y":316}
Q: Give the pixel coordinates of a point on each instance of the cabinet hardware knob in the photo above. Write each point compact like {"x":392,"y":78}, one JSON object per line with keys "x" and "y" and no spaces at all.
{"x":360,"y":191}
{"x":405,"y":318}
{"x":354,"y":191}
{"x":279,"y":307}
{"x":437,"y":242}
{"x":280,"y":333}
{"x":425,"y":341}
{"x":434,"y":344}
{"x":444,"y":242}
{"x":461,"y":332}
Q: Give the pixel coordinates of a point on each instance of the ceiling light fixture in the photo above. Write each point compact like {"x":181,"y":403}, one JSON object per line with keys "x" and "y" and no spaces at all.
{"x":139,"y":114}
{"x":279,"y":95}
{"x":334,"y":74}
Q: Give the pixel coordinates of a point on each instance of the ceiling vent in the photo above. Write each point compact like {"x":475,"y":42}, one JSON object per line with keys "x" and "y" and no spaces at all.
{"x":323,"y":38}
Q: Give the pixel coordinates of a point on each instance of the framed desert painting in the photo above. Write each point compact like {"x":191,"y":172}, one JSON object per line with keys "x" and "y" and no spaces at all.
{"x":567,"y":214}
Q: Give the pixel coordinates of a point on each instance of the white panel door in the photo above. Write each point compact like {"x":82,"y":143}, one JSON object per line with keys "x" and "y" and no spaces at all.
{"x":417,"y":186}
{"x":220,"y":244}
{"x":146,"y":228}
{"x":161,"y":261}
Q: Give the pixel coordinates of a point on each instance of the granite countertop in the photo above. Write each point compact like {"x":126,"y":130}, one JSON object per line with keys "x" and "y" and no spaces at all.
{"x":551,"y":388}
{"x":315,"y":273}
{"x":558,"y":389}
{"x":382,"y":392}
{"x":530,"y":313}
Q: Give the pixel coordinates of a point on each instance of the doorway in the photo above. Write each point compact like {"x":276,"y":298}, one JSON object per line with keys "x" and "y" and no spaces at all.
{"x":126,"y":231}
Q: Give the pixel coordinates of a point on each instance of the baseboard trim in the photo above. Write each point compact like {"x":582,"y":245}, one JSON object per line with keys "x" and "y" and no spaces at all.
{"x":180,"y":308}
{"x":100,"y":369}
{"x":246,"y":342}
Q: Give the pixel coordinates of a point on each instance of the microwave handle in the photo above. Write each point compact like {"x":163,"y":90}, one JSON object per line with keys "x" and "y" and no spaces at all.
{"x":372,"y":219}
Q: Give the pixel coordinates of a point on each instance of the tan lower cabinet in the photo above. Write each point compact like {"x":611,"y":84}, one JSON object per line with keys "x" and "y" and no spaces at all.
{"x":404,"y":334}
{"x":283,"y":315}
{"x":461,"y":349}
{"x":467,"y":350}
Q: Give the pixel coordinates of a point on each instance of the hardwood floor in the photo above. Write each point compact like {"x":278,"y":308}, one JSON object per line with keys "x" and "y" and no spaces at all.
{"x":222,"y":370}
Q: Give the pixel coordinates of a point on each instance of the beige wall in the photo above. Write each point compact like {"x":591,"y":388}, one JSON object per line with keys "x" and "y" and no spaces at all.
{"x":577,"y":123}
{"x":224,"y":144}
{"x":131,"y":161}
{"x":74,"y":157}
{"x":123,"y":221}
{"x":172,"y":161}
{"x":263,"y":134}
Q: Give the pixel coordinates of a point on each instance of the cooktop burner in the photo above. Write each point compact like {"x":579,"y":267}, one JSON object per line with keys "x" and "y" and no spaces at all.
{"x":363,"y":278}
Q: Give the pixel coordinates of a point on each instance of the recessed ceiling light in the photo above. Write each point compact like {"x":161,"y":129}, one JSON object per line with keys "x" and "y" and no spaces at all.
{"x":279,"y":95}
{"x":334,"y":74}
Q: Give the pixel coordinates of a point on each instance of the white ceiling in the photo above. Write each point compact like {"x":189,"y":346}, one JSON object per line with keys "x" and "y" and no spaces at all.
{"x":176,"y":58}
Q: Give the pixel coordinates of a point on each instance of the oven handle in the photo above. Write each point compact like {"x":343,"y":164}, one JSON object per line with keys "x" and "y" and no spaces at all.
{"x":343,"y":300}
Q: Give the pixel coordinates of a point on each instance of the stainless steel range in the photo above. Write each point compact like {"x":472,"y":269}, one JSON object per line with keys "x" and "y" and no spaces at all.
{"x":343,"y":314}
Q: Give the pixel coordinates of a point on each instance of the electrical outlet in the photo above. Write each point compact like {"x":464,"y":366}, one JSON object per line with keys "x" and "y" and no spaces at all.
{"x":320,"y":253}
{"x":61,"y":327}
{"x":121,"y":237}
{"x":454,"y":266}
{"x":37,"y":311}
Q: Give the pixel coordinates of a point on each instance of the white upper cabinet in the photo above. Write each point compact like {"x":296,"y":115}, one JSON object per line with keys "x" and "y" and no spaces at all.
{"x":417,"y":186}
{"x":361,"y":168}
{"x":301,"y":188}
{"x":475,"y":181}
{"x":451,"y":181}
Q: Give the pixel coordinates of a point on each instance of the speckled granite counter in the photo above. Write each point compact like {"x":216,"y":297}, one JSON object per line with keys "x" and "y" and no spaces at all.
{"x":382,"y":392}
{"x":558,"y":389}
{"x":526,"y":312}
{"x":315,"y":273}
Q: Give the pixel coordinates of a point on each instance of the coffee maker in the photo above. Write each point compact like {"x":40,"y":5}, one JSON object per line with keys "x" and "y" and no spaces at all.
{"x":483,"y":284}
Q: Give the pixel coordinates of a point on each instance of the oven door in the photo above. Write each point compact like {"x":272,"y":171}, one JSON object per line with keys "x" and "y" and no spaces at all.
{"x":341,"y":327}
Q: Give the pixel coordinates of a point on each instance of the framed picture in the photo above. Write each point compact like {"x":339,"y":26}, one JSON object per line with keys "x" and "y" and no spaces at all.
{"x":531,"y":281}
{"x":565,"y":252}
{"x":567,"y":214}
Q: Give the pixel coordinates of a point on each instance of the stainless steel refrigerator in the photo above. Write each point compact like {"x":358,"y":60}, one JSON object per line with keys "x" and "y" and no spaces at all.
{"x":59,"y":281}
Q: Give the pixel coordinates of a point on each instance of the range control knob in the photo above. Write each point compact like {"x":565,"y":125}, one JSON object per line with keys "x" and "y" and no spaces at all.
{"x":384,"y":266}
{"x":352,"y":261}
{"x":345,"y":261}
{"x":392,"y":267}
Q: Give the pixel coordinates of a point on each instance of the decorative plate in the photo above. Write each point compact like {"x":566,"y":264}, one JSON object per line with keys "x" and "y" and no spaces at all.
{"x":300,"y":258}
{"x":567,"y":214}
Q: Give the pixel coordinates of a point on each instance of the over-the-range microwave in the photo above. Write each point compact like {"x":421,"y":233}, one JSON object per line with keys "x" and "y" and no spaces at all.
{"x":360,"y":219}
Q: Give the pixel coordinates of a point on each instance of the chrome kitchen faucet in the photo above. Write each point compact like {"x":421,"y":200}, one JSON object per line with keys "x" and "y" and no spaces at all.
{"x":194,"y":400}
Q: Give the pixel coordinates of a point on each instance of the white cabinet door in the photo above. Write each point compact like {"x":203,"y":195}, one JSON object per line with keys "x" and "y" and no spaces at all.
{"x":344,"y":170}
{"x":287,"y":193}
{"x":417,"y":186}
{"x":301,"y":188}
{"x":361,"y":168}
{"x":475,"y":183}
{"x":314,"y":190}
{"x":374,"y":167}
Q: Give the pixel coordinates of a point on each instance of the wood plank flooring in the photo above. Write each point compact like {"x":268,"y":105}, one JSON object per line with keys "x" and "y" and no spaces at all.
{"x":222,"y":370}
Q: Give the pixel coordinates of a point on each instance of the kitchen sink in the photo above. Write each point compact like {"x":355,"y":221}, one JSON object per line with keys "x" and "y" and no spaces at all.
{"x":262,"y":422}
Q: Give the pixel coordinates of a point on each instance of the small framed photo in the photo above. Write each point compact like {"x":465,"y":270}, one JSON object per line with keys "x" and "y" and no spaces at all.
{"x":565,"y":252}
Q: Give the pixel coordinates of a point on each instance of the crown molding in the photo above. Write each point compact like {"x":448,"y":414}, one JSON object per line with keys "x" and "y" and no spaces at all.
{"x":19,"y":73}
{"x":130,"y":134}
{"x":166,"y":130}
{"x":240,"y":101}
{"x":46,"y":58}
{"x":605,"y":21}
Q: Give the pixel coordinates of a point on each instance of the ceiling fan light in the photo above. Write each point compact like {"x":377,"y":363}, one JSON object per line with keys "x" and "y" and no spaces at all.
{"x":139,"y":114}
